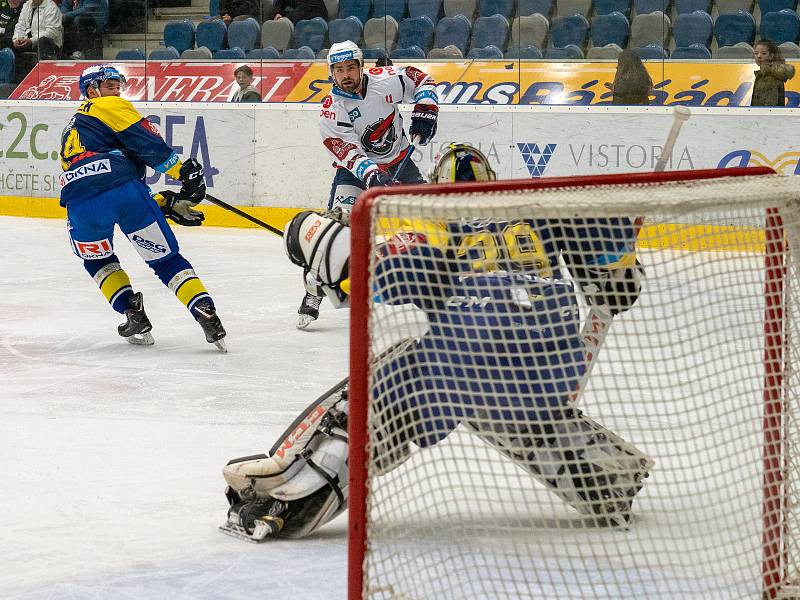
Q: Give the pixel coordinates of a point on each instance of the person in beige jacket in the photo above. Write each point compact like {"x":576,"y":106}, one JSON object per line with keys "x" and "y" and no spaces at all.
{"x":39,"y":29}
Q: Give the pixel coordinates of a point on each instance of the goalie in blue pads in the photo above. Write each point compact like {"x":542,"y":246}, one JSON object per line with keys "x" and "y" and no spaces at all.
{"x":502,"y":357}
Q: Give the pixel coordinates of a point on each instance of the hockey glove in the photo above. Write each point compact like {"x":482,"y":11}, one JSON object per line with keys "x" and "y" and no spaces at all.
{"x":379,"y":178}
{"x":193,"y":189}
{"x":423,"y":122}
{"x":616,"y":289}
{"x":178,"y":209}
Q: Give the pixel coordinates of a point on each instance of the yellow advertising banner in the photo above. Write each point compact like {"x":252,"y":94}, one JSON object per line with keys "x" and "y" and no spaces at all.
{"x":572,"y":83}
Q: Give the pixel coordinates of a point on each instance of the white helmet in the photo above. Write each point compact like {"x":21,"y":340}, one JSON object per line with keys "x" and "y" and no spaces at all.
{"x":462,"y":162}
{"x":342,"y":51}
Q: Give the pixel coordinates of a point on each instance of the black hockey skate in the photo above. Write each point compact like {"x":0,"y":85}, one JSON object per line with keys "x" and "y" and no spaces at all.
{"x":254,"y":519}
{"x":309,"y":310}
{"x":136,"y":330}
{"x":212,"y":326}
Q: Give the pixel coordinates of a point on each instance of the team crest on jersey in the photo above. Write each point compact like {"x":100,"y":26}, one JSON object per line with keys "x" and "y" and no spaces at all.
{"x":380,"y":136}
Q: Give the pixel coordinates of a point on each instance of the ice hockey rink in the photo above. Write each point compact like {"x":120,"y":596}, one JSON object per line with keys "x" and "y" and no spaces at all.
{"x":111,"y":454}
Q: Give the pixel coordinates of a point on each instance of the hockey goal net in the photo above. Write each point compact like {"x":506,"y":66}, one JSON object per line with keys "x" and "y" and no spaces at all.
{"x":697,"y":375}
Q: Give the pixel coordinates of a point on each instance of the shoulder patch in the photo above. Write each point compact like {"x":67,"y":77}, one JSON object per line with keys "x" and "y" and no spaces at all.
{"x":415,"y":75}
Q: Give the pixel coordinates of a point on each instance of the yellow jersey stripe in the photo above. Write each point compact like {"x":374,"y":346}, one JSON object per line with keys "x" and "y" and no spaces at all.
{"x":189,"y":289}
{"x":114,"y":283}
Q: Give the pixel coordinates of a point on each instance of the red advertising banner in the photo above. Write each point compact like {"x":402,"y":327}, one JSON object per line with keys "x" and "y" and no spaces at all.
{"x":165,"y":81}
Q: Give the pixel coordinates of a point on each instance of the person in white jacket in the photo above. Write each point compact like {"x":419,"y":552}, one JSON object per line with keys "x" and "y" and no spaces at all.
{"x":39,"y":29}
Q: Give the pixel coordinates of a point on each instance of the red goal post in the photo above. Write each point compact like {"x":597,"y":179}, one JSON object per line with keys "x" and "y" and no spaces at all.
{"x":780,"y":558}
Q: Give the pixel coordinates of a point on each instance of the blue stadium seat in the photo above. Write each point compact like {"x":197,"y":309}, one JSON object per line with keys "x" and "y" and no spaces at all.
{"x":689,"y":6}
{"x":693,"y":28}
{"x":453,"y":31}
{"x":424,"y":8}
{"x":606,"y":7}
{"x":613,"y":28}
{"x":311,"y":33}
{"x":130,"y":54}
{"x":354,"y":8}
{"x":393,"y":8}
{"x":234,"y":53}
{"x":168,"y":53}
{"x":244,"y":34}
{"x":179,"y":35}
{"x":768,"y":6}
{"x":694,"y":52}
{"x":301,"y":53}
{"x":374,"y":53}
{"x":571,"y":30}
{"x":526,"y":53}
{"x":350,"y":28}
{"x":268,"y":53}
{"x":730,"y":29}
{"x":651,"y":52}
{"x":7,"y":61}
{"x":570,"y":51}
{"x":412,"y":52}
{"x":487,"y":53}
{"x":487,"y":8}
{"x":415,"y":32}
{"x":211,"y":34}
{"x":647,"y":6}
{"x":533,"y":7}
{"x":780,"y":27}
{"x":213,"y":8}
{"x":490,"y":31}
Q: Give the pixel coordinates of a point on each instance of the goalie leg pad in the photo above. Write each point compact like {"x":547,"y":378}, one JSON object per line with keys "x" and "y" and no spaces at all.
{"x":588,"y":466}
{"x":302,"y":483}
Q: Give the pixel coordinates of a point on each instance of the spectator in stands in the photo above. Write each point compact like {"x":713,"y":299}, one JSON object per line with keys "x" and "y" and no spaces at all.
{"x":247,"y":91}
{"x":126,"y":16}
{"x":771,"y":76}
{"x":9,"y":15}
{"x":84,"y":22}
{"x":299,"y":10}
{"x":632,"y":84}
{"x":238,"y":10}
{"x":39,"y":29}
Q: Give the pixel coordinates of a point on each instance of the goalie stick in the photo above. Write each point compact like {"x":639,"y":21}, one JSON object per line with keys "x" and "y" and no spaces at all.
{"x":598,"y":321}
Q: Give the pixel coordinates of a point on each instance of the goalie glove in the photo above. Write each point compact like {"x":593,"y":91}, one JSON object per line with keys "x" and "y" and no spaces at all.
{"x":178,"y":210}
{"x":321,"y":246}
{"x":193,"y":189}
{"x":616,"y":289}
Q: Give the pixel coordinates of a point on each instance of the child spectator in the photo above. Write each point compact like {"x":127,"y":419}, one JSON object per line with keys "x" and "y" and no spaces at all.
{"x":772,"y":74}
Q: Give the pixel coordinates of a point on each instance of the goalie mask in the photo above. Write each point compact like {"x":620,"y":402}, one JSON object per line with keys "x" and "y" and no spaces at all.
{"x":462,"y":162}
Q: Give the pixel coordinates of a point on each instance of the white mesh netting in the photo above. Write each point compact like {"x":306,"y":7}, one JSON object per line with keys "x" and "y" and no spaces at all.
{"x":470,"y":421}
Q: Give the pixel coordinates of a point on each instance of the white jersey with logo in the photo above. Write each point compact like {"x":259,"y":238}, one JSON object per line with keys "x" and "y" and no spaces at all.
{"x":364,"y":132}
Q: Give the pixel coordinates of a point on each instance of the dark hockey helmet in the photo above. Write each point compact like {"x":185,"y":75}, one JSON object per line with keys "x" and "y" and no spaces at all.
{"x":462,"y":162}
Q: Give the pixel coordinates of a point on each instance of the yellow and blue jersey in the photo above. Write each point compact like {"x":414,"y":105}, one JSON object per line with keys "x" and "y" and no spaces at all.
{"x":106,"y":143}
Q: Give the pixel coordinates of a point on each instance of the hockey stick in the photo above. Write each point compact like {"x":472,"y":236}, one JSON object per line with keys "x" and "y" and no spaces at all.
{"x":243,"y":214}
{"x":411,"y":147}
{"x":598,"y":321}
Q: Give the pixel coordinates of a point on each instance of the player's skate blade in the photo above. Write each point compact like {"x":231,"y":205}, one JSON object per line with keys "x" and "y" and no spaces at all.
{"x":308,"y":311}
{"x":212,"y":326}
{"x":136,"y":328}
{"x":251,"y":521}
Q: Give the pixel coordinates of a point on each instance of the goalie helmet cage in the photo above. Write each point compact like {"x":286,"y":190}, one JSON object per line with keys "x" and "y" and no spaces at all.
{"x":697,"y":374}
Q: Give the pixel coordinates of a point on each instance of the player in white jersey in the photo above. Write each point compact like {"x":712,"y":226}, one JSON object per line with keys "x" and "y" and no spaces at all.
{"x":362,"y":129}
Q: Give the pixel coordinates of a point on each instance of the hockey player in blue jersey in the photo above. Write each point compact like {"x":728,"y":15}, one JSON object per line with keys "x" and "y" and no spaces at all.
{"x":105,"y":148}
{"x":502,"y":356}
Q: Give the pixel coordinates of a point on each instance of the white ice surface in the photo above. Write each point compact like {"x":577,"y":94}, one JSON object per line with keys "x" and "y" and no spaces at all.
{"x":111,"y":454}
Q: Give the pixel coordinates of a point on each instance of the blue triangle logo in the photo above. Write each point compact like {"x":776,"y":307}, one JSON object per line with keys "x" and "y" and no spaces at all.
{"x":536,"y":157}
